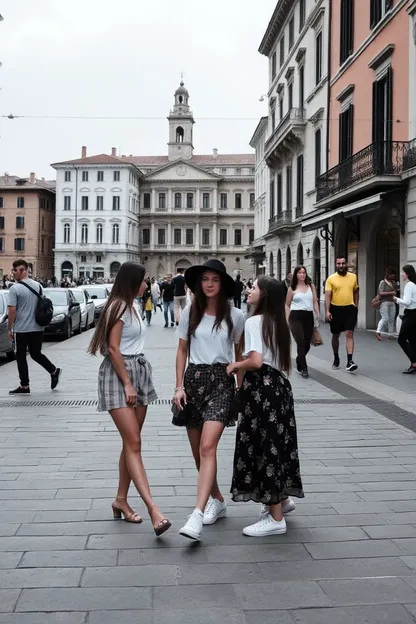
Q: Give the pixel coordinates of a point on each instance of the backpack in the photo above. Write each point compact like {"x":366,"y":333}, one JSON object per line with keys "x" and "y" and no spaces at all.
{"x":44,"y":309}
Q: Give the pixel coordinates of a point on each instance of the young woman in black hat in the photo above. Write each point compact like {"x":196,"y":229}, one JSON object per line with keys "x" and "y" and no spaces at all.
{"x":209,"y":334}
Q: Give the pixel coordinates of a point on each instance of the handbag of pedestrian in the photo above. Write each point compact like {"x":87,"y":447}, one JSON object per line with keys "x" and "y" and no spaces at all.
{"x":317,"y":339}
{"x":376,"y":302}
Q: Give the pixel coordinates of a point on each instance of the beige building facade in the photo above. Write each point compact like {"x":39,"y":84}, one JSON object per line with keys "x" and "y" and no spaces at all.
{"x":27,"y":224}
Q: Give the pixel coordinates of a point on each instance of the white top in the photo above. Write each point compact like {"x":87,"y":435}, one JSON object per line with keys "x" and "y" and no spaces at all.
{"x":253,"y":341}
{"x":409,"y":296}
{"x":302,"y":300}
{"x":155,"y":290}
{"x":132,"y":333}
{"x":209,"y":346}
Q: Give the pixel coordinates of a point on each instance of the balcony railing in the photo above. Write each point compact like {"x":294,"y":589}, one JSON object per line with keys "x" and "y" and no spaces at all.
{"x":280,"y":220}
{"x":409,"y":160}
{"x":381,"y":158}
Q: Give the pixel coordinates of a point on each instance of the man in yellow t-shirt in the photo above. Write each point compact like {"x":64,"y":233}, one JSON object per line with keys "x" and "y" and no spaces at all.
{"x":341,"y":310}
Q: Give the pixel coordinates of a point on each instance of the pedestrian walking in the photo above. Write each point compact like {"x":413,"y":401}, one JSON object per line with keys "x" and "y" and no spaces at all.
{"x":167,"y":289}
{"x":209,"y":334}
{"x":386,"y":292}
{"x":302,"y":312}
{"x":341,"y":310}
{"x":23,"y":328}
{"x":155,"y":295}
{"x":147,"y":303}
{"x":266,"y":462}
{"x":239,"y":287}
{"x":125,"y":387}
{"x":407,"y":334}
{"x":179,"y":294}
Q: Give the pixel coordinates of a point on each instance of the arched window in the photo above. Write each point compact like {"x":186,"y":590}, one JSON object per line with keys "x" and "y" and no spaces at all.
{"x":116,"y":234}
{"x":84,"y":233}
{"x":271,"y":263}
{"x":279,"y":266}
{"x":288,"y":261}
{"x":179,"y":134}
{"x":114,"y":268}
{"x":99,"y":233}
{"x":299,"y":254}
{"x":178,"y":200}
{"x":67,"y":233}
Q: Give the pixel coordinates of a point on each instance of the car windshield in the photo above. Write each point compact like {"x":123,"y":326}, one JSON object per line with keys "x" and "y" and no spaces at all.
{"x":97,"y":293}
{"x":57,"y":298}
{"x":79,"y":296}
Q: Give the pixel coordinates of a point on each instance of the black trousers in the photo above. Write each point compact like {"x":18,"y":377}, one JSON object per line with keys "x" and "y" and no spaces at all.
{"x":407,"y":335}
{"x":237,"y":302}
{"x":301,"y":324}
{"x":33,"y":341}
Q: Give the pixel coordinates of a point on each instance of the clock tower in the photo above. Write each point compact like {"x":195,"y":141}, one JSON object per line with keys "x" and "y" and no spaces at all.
{"x":181,"y":123}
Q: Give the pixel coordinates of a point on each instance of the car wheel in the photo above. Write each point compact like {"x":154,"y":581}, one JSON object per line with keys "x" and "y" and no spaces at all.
{"x":68,"y":330}
{"x":10,"y":355}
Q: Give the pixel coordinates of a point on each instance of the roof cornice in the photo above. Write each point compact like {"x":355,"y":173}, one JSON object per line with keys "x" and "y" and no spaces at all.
{"x":276,"y":23}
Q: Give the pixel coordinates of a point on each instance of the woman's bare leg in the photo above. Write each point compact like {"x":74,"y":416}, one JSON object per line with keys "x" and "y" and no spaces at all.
{"x":124,"y":475}
{"x":276,"y":512}
{"x":210,"y":436}
{"x":194,"y":436}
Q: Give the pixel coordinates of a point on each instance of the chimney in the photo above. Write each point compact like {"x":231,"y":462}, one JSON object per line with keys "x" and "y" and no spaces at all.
{"x":84,"y":151}
{"x":32,"y":178}
{"x":113,"y":151}
{"x":215,"y":152}
{"x":6,"y":178}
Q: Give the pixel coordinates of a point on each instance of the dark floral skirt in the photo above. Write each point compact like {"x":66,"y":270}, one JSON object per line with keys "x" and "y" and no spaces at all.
{"x":209,"y":393}
{"x":266,"y":462}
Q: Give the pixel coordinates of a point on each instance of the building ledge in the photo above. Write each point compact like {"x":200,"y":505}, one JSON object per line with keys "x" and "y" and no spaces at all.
{"x":287,"y":137}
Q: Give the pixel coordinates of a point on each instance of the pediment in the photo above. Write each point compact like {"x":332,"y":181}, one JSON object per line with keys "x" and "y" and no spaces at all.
{"x":181,"y":170}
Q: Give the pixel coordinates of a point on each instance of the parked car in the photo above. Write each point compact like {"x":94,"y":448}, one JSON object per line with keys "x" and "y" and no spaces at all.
{"x":66,"y":318}
{"x":99,"y":294}
{"x":87,"y":307}
{"x":6,"y":346}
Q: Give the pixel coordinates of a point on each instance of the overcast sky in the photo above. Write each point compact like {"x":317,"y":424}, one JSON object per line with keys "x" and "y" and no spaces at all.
{"x":124,"y":58}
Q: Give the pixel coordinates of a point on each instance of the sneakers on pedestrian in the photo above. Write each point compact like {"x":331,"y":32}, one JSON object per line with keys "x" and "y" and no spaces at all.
{"x":287,"y":506}
{"x":336,"y":363}
{"x":55,"y":378}
{"x":214,"y":510}
{"x":351,"y":367}
{"x":305,"y":373}
{"x":20,"y":390}
{"x":194,"y":525}
{"x":266,"y":526}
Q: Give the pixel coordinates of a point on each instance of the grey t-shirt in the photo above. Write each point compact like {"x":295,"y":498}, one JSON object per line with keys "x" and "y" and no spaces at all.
{"x":25,"y":302}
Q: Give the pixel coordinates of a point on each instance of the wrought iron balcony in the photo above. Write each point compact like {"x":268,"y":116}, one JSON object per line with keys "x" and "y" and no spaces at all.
{"x":381,"y":158}
{"x":281,"y":222}
{"x":289,"y":133}
{"x":409,"y":160}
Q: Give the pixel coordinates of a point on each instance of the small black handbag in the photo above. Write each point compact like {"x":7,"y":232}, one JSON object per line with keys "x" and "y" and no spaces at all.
{"x":180,"y":417}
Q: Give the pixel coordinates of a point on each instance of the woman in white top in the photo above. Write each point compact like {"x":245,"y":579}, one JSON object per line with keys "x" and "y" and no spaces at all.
{"x":407,"y":335}
{"x":266,"y":463}
{"x":125,"y":386}
{"x":155,"y":294}
{"x":301,"y":303}
{"x":209,"y":334}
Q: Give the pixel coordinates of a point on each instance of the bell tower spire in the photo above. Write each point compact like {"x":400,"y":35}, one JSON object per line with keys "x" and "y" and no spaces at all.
{"x":181,"y":123}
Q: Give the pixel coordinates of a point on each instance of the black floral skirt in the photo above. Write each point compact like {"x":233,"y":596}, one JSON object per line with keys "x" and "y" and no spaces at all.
{"x":266,"y":462}
{"x":209,"y":393}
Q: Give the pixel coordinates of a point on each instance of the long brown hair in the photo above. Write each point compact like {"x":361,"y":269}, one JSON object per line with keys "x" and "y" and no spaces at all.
{"x":276,"y":334}
{"x":125,"y":288}
{"x":199,"y":305}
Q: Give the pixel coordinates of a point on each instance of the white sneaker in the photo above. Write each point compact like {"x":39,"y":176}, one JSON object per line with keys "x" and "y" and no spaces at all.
{"x":194,"y":525}
{"x":266,"y":526}
{"x":287,"y":507}
{"x":214,"y":510}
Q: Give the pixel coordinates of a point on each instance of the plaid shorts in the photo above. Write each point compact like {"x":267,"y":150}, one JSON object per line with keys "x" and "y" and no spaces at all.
{"x":111,"y":390}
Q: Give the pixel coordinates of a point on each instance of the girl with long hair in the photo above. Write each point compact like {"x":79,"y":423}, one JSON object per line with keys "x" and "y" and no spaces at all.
{"x":301,"y":304}
{"x":209,"y":334}
{"x":387,"y":289}
{"x":125,"y":386}
{"x":266,"y":463}
{"x":407,"y":334}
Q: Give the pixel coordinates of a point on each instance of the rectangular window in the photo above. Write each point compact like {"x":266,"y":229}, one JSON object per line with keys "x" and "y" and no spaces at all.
{"x":299,"y":187}
{"x":250,"y":236}
{"x":346,"y":30}
{"x":161,"y":237}
{"x":291,"y":32}
{"x":223,"y":201}
{"x":282,"y":50}
{"x":178,"y":200}
{"x":279,"y":193}
{"x":84,"y":202}
{"x":346,"y":128}
{"x":1,"y":202}
{"x":85,"y":176}
{"x":378,"y":9}
{"x":189,"y":200}
{"x":116,"y":176}
{"x":98,"y":258}
{"x":100,"y":202}
{"x":318,"y":151}
{"x":205,"y":200}
{"x":83,"y":258}
{"x":67,"y":176}
{"x":237,"y":237}
{"x":290,"y":95}
{"x":301,"y":14}
{"x":189,"y":236}
{"x":43,"y":245}
{"x":20,"y":223}
{"x":1,"y":223}
{"x":274,"y":62}
{"x":146,"y":200}
{"x":20,"y":202}
{"x":162,"y":201}
{"x":318,"y":58}
{"x":146,"y":236}
{"x":1,"y":243}
{"x":301,"y":86}
{"x":252,"y":200}
{"x":205,"y":236}
{"x":67,"y":202}
{"x":273,"y":118}
{"x":238,"y":201}
{"x":19,"y":244}
{"x":281,"y":108}
{"x":271,"y":200}
{"x":223,"y":237}
{"x":116,"y":202}
{"x":289,"y":188}
{"x":100,"y":176}
{"x":177,"y":236}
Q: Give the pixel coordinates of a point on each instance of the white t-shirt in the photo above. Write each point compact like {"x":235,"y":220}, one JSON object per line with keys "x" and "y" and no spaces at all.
{"x":253,"y":341}
{"x":132,"y":333}
{"x":209,"y":346}
{"x":409,"y":296}
{"x":302,"y":300}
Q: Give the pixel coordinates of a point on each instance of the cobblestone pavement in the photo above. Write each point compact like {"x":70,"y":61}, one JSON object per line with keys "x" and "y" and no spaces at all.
{"x":349,"y":554}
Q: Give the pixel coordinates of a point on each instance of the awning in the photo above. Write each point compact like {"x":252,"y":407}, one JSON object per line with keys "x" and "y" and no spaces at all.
{"x":358,"y":207}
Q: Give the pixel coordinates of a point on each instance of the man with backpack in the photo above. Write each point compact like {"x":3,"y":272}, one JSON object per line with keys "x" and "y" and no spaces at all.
{"x":26,"y":308}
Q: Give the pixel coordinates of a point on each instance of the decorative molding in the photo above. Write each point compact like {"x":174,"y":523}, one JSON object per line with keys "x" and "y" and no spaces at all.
{"x":316,"y":18}
{"x":280,"y":88}
{"x":289,"y":74}
{"x":382,"y":56}
{"x":317,"y":117}
{"x":300,"y":56}
{"x":349,"y":90}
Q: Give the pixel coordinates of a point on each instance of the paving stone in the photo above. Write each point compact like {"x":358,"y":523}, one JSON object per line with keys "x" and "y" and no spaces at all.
{"x":234,"y":573}
{"x":39,"y":577}
{"x":347,"y":550}
{"x":124,"y":617}
{"x":44,"y":618}
{"x":10,"y":559}
{"x":268,"y":617}
{"x":281,"y":595}
{"x":8,"y":599}
{"x":131,"y":576}
{"x":8,"y":544}
{"x":193,"y":553}
{"x":254,"y":554}
{"x":368,"y":591}
{"x":85,"y":599}
{"x":386,"y":614}
{"x":68,"y":558}
{"x":390,"y":531}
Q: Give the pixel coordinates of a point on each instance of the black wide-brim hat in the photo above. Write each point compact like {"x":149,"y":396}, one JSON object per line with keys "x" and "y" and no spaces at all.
{"x":194,"y":272}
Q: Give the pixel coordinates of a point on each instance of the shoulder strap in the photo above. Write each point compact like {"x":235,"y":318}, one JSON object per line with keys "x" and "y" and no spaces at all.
{"x":38,"y":294}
